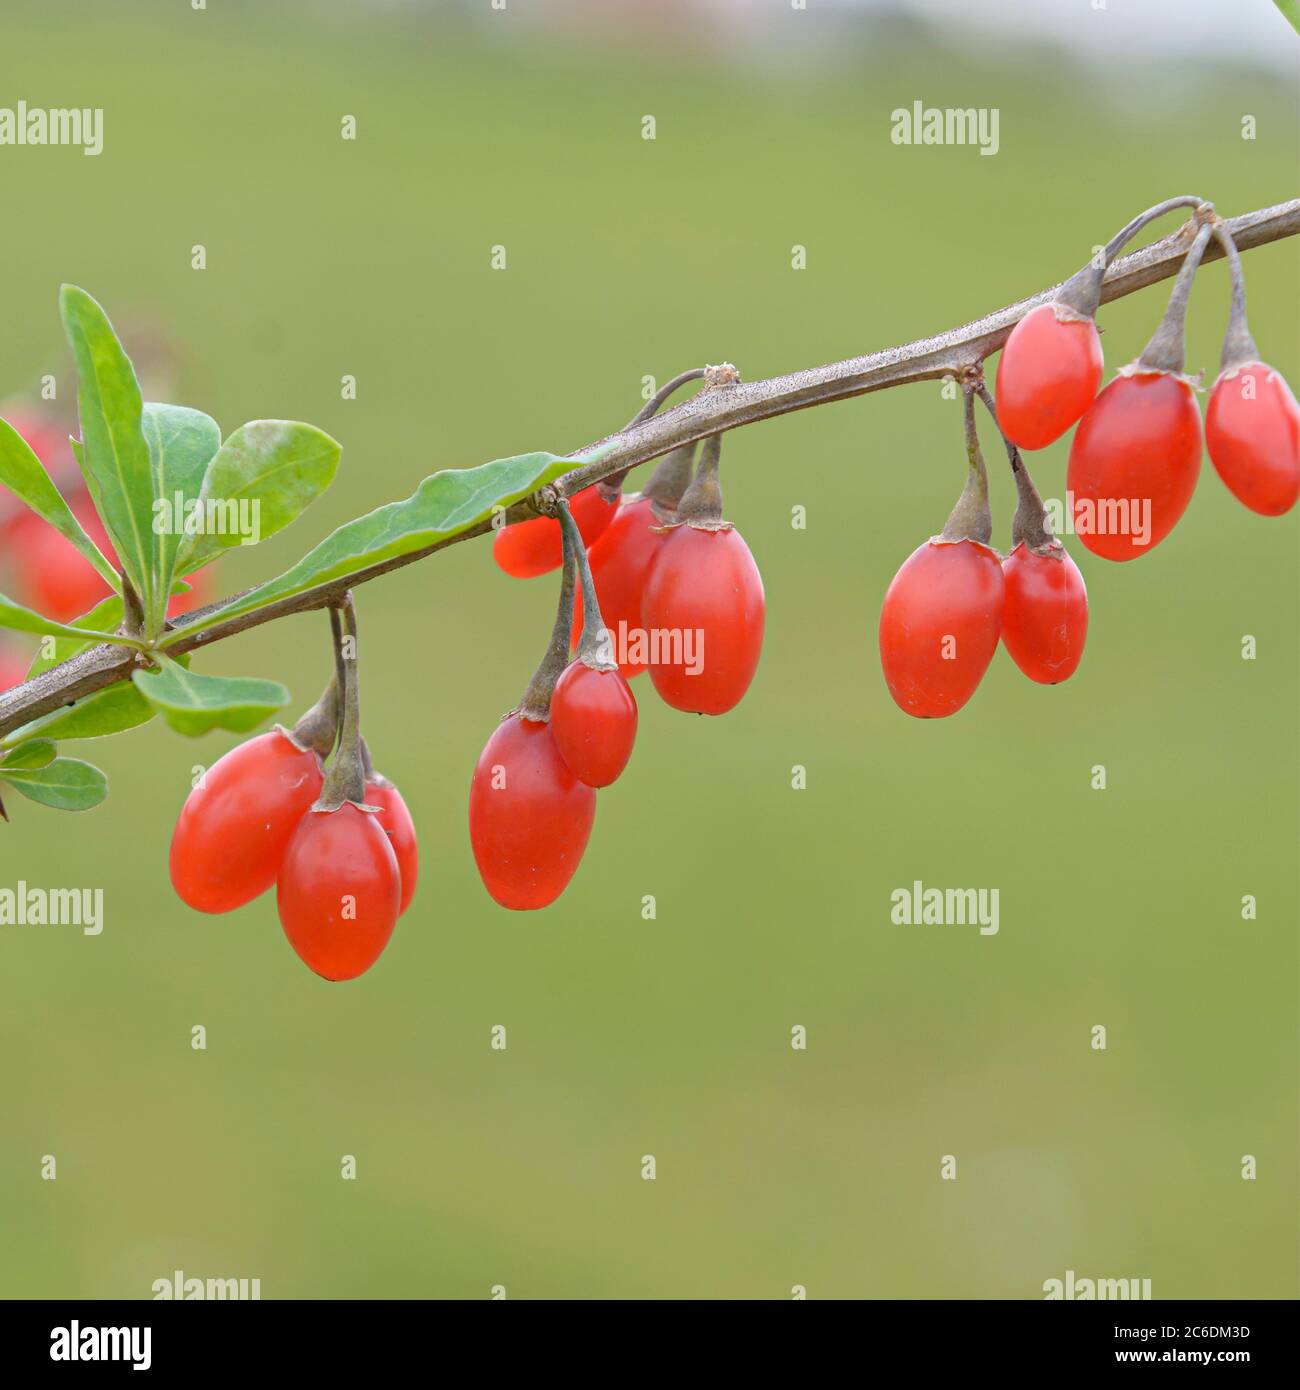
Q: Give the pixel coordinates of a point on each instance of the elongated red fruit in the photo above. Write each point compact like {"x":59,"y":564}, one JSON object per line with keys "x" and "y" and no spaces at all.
{"x":1048,"y":375}
{"x":1044,"y":613}
{"x":339,"y":891}
{"x":620,"y":561}
{"x":232,"y":831}
{"x":939,"y":626}
{"x":1252,"y":432}
{"x":527,"y":549}
{"x":529,"y":816}
{"x":1134,"y":463}
{"x":593,"y":722}
{"x":703,"y":611}
{"x":400,"y":829}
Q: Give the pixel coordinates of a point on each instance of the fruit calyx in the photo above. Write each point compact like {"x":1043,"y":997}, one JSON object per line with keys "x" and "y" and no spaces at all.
{"x":1239,"y":348}
{"x":345,"y":777}
{"x":1165,"y":352}
{"x":536,"y":702}
{"x":1030,"y":526}
{"x":594,"y":649}
{"x":971,"y":519}
{"x":317,"y":730}
{"x":701,"y":503}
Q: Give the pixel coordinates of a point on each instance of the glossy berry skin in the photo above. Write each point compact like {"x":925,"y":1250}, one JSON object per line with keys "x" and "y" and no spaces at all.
{"x":400,"y":829}
{"x":1252,"y":432}
{"x":1134,"y":463}
{"x":704,"y":586}
{"x":529,"y":816}
{"x":232,"y":831}
{"x":620,"y":561}
{"x":1044,"y":614}
{"x":593,"y":722}
{"x":1048,"y":376}
{"x":527,"y":549}
{"x":939,"y":626}
{"x":339,"y":891}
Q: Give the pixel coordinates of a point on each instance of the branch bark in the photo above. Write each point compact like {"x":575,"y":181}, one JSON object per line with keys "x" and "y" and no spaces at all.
{"x":715,"y":408}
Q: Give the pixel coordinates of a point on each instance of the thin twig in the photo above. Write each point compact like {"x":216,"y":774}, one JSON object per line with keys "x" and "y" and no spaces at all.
{"x":714,"y":409}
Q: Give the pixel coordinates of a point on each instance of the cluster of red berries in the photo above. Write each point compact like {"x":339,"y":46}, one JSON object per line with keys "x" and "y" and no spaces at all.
{"x":1133,"y":466}
{"x":344,"y":869}
{"x":47,"y":571}
{"x":667,"y":586}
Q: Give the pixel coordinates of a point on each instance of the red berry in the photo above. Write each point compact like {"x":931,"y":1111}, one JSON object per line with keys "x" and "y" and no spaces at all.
{"x":60,"y":582}
{"x":1044,"y":613}
{"x":232,"y":831}
{"x":529,"y":816}
{"x":1252,"y":430}
{"x":199,"y":592}
{"x":939,"y":626}
{"x":1048,"y":375}
{"x":13,"y":666}
{"x":593,"y":722}
{"x":620,"y":560}
{"x":400,"y":829}
{"x":339,"y":891}
{"x":1134,"y":464}
{"x":529,"y":548}
{"x":57,"y":579}
{"x":703,"y":608}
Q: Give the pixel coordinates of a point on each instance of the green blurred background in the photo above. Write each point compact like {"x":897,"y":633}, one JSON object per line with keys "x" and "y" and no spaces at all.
{"x":629,"y":258}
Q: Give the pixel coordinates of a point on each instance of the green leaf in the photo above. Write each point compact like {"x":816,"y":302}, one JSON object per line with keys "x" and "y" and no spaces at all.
{"x":266,"y":473}
{"x":106,"y":616}
{"x":67,"y":784}
{"x":182,"y":443}
{"x":114,"y":455}
{"x":20,"y":619}
{"x":1291,"y":11}
{"x":25,"y":476}
{"x":193,"y":704}
{"x":442,"y":506}
{"x":109,"y":711}
{"x":34,"y":753}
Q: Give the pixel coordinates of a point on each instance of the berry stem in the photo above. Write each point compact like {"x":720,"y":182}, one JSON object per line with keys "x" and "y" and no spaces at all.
{"x":651,"y":407}
{"x":1031,"y":524}
{"x":611,"y":487}
{"x":970,"y":519}
{"x":593,"y":645}
{"x":346,"y":777}
{"x":1238,"y":346}
{"x":671,"y":478}
{"x":536,"y":702}
{"x":1165,"y":352}
{"x":317,"y":730}
{"x":1082,"y":292}
{"x":701,"y":504}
